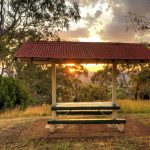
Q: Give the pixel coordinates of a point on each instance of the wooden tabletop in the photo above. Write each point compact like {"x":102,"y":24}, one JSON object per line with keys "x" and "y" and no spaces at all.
{"x":84,"y":105}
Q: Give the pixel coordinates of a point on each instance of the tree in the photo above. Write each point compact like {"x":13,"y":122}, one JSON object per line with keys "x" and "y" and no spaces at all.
{"x":13,"y":94}
{"x":69,"y":82}
{"x":37,"y":79}
{"x":103,"y":79}
{"x":22,"y":20}
{"x":140,"y":82}
{"x":139,"y":24}
{"x":133,"y":81}
{"x":138,"y":76}
{"x":44,"y":17}
{"x":125,"y":74}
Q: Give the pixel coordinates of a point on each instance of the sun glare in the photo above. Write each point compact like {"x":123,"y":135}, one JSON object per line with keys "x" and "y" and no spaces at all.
{"x":93,"y":67}
{"x":94,"y":38}
{"x":117,"y":5}
{"x":89,"y":67}
{"x":71,"y":70}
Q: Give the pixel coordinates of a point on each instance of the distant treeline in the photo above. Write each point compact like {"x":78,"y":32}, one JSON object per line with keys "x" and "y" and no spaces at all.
{"x":32,"y":84}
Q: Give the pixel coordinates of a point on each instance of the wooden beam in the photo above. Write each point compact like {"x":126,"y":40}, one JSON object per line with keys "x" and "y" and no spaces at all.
{"x":53,"y":89}
{"x":81,"y":61}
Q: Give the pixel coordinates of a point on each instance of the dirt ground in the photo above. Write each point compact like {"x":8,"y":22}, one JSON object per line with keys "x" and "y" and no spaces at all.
{"x":132,"y":128}
{"x":20,"y":133}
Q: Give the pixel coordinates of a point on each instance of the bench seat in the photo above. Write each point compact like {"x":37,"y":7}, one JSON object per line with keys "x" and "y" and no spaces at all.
{"x":87,"y":121}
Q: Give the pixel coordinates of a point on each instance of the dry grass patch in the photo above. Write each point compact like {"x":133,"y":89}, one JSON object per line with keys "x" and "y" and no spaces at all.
{"x":43,"y":110}
{"x":83,"y":144}
{"x":127,"y":106}
{"x":134,"y":106}
{"x":143,"y":118}
{"x":11,"y":123}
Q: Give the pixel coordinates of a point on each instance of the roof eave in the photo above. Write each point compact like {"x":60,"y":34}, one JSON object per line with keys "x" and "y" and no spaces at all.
{"x":80,"y":61}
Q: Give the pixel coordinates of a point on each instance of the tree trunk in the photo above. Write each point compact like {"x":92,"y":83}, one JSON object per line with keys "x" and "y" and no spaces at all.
{"x":2,"y":72}
{"x":136,"y":92}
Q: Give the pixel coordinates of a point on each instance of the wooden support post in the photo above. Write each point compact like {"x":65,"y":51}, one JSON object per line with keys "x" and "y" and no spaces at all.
{"x":53,"y":89}
{"x":114,"y":114}
{"x":114,"y":89}
{"x":121,"y":127}
{"x":114,"y":83}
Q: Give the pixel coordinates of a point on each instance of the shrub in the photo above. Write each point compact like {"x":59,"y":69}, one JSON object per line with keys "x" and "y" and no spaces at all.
{"x":13,"y":94}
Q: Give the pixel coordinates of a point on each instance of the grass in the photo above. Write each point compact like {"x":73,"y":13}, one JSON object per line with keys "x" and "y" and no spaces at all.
{"x":84,"y":144}
{"x":127,"y":106}
{"x":43,"y":110}
{"x":143,"y":118}
{"x":13,"y":123}
{"x":134,"y":106}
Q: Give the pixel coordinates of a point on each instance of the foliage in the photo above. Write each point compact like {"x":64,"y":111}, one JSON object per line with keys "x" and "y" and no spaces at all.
{"x":139,"y":24}
{"x":103,"y":80}
{"x":69,"y":84}
{"x":90,"y":92}
{"x":13,"y":93}
{"x":133,"y":82}
{"x":37,"y":79}
{"x":44,"y":17}
{"x":22,"y":20}
{"x":70,"y":87}
{"x":140,"y":84}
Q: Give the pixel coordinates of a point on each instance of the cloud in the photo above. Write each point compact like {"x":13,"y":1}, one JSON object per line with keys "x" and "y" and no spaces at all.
{"x":140,"y":7}
{"x":84,"y":3}
{"x":74,"y":35}
{"x":90,"y":11}
{"x":116,"y":30}
{"x":107,"y":18}
{"x":116,"y":33}
{"x":98,"y":14}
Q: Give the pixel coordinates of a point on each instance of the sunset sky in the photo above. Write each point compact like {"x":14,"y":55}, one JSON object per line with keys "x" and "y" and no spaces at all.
{"x":105,"y":20}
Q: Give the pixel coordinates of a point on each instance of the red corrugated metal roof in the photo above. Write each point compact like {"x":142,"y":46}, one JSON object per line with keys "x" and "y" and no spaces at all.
{"x":83,"y":50}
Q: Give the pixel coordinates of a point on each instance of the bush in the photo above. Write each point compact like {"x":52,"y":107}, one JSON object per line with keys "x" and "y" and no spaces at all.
{"x":13,"y":94}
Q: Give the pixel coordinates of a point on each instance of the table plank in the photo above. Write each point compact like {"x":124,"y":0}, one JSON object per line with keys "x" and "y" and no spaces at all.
{"x":85,"y":106}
